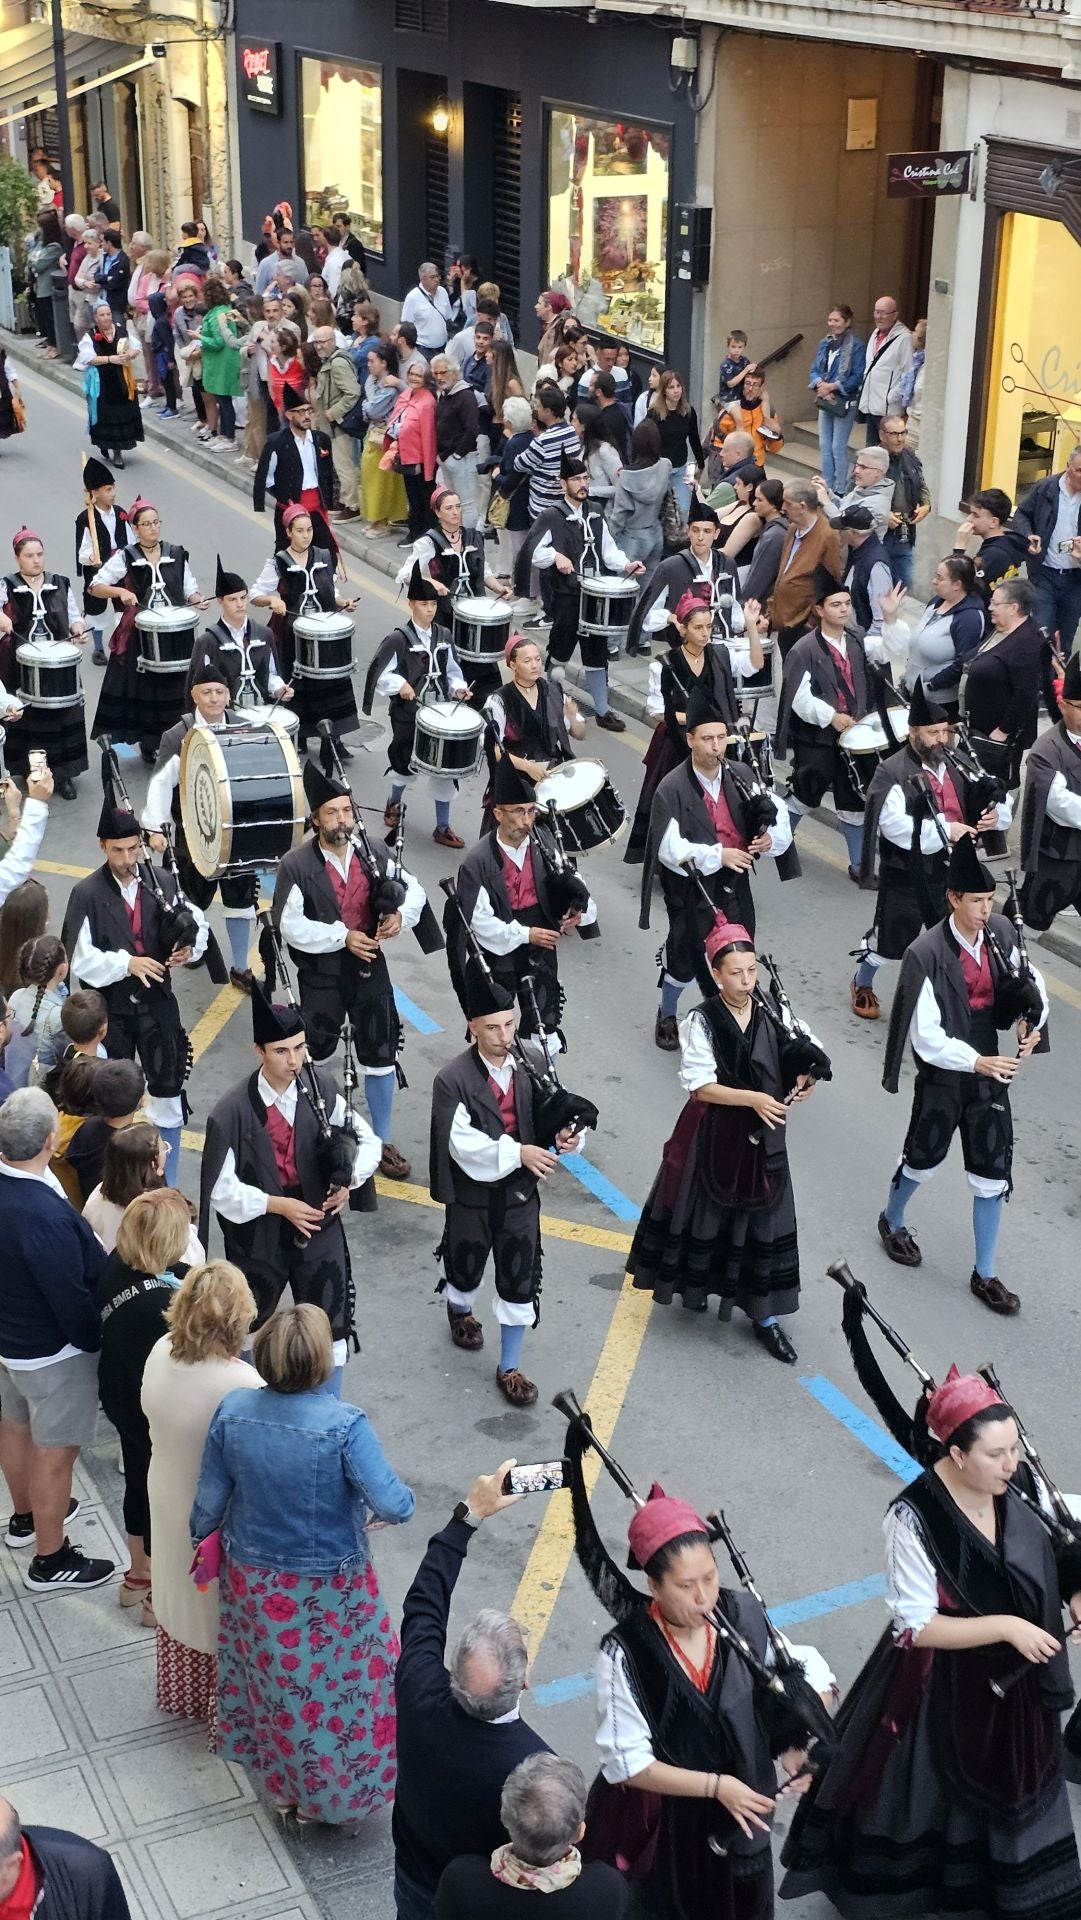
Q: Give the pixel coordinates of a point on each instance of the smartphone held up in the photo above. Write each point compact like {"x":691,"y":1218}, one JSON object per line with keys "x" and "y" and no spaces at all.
{"x":543,"y":1476}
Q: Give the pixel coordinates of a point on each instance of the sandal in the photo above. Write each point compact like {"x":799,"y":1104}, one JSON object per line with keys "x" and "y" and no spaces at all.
{"x":134,"y":1589}
{"x":514,"y":1387}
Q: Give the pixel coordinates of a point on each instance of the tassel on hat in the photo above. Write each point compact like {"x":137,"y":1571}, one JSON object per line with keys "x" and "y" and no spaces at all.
{"x":228,"y":582}
{"x":967,"y":872}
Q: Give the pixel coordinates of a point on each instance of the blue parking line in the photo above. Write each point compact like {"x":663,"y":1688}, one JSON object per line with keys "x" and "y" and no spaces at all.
{"x":600,"y":1186}
{"x":861,"y":1426}
{"x":415,"y":1015}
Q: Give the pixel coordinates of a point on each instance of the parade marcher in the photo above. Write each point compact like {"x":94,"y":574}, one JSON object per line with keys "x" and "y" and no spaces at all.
{"x":486,"y":1170}
{"x":919,"y":803}
{"x":721,"y":1217}
{"x":686,"y":1734}
{"x":692,"y":661}
{"x":210,"y":701}
{"x":452,"y":557}
{"x":122,"y":941}
{"x":1051,"y":814}
{"x":297,"y":468}
{"x":714,"y":815}
{"x":39,"y":605}
{"x":825,"y":689}
{"x":573,"y":538}
{"x":327,"y":905}
{"x":961,"y":982}
{"x":702,"y":562}
{"x":105,"y":356}
{"x":264,"y":1175}
{"x":239,"y":648}
{"x":100,"y":529}
{"x":136,"y":706}
{"x":517,"y":903}
{"x":416,"y":662}
{"x":944,"y":1795}
{"x":534,"y":718}
{"x":300,"y":578}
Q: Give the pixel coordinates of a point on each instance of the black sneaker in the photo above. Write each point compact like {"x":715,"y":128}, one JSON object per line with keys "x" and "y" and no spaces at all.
{"x":20,"y":1529}
{"x":67,"y":1571}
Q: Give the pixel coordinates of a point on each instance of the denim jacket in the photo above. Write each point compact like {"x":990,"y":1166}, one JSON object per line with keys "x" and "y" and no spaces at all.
{"x":292,"y":1479}
{"x":850,"y":367}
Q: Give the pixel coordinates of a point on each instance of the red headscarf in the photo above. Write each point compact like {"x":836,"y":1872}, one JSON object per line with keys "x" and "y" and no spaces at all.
{"x":661,"y":1519}
{"x":20,"y":539}
{"x":293,"y":512}
{"x":724,"y":934}
{"x":695,"y":600}
{"x":956,"y":1400}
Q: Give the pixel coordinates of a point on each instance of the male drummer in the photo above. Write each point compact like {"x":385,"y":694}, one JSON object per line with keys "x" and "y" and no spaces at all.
{"x":415,"y":663}
{"x":826,"y":687}
{"x":701,"y":564}
{"x":239,"y":648}
{"x":452,"y":558}
{"x":100,"y":529}
{"x":239,"y":891}
{"x":327,"y":904}
{"x":136,"y":705}
{"x":716,"y":817}
{"x":573,"y":538}
{"x":517,"y":904}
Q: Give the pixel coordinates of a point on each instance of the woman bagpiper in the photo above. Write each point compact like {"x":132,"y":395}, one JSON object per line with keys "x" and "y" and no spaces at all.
{"x":944,"y":1795}
{"x":721,"y":1215}
{"x":133,"y":705}
{"x":301,"y":579}
{"x":40,"y":606}
{"x":692,"y":658}
{"x":105,"y":357}
{"x":452,"y":558}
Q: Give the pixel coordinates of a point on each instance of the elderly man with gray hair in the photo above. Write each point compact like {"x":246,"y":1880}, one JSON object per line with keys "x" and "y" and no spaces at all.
{"x":459,"y":1732}
{"x":543,"y":1807}
{"x":50,"y":1334}
{"x":427,"y":306}
{"x":871,"y":486}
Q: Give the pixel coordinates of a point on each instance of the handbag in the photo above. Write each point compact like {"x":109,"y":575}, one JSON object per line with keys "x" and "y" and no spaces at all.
{"x":206,"y":1566}
{"x":672,"y":524}
{"x":18,"y":413}
{"x":837,"y":405}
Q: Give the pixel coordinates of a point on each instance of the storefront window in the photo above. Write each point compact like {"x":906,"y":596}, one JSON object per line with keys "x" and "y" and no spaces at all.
{"x":342,"y":149}
{"x":608,"y":223}
{"x":1034,"y":399}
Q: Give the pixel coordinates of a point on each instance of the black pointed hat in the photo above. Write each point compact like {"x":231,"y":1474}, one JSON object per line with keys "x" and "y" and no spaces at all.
{"x":270,"y":1022}
{"x":481,"y":995}
{"x":824,"y":583}
{"x":1071,"y":679}
{"x":701,"y":510}
{"x":116,"y":821}
{"x":510,"y":788}
{"x":923,"y":712}
{"x":702,"y":711}
{"x":321,"y":786}
{"x":228,"y":582}
{"x":967,"y":872}
{"x":208,"y":675}
{"x":96,"y":474}
{"x":420,"y":587}
{"x":570,"y":467}
{"x":291,"y":398}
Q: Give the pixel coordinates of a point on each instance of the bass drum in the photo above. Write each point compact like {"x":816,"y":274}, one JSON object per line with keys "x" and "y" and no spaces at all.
{"x":241,"y":798}
{"x":591,"y":813}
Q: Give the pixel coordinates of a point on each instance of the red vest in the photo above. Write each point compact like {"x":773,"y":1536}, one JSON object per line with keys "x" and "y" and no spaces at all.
{"x":283,"y":1141}
{"x":724,"y":827}
{"x":353,"y":896}
{"x":844,"y":667}
{"x":135,"y":919}
{"x":978,"y":982}
{"x":948,"y":803}
{"x":520,"y":884}
{"x":505,"y":1102}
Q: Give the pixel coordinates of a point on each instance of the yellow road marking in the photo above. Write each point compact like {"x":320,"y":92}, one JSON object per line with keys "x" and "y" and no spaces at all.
{"x":55,"y":866}
{"x":546,"y":1568}
{"x":218,"y":1015}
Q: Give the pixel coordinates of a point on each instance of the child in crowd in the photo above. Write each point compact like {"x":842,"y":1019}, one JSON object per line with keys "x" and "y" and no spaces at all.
{"x":733,"y":368}
{"x":37,"y":1036}
{"x":84,"y":1018}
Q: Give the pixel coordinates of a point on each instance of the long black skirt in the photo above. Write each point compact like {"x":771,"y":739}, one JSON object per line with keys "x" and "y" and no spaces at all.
{"x":134,"y":706}
{"x":119,"y":423}
{"x":59,"y":733}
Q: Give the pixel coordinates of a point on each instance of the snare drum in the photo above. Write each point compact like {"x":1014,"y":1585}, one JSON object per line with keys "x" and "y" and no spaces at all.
{"x":760,"y":682}
{"x":449,"y":739}
{"x":324,"y":645}
{"x":607,"y":601}
{"x":49,"y":674}
{"x":277,"y":716}
{"x":869,"y":735}
{"x":241,"y":797}
{"x":591,"y":813}
{"x":166,"y":638}
{"x":480,"y":627}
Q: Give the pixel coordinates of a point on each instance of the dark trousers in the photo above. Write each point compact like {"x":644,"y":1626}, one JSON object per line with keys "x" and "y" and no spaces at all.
{"x":43,"y":314}
{"x":316,"y":1271}
{"x":411,"y":1901}
{"x":135,"y":1453}
{"x":226,"y":417}
{"x":874,"y":423}
{"x":200,"y":403}
{"x":169,"y":386}
{"x":418,"y":492}
{"x":1058,"y":603}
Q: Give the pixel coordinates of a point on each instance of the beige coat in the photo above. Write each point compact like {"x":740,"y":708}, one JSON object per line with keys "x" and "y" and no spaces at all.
{"x":179,"y":1402}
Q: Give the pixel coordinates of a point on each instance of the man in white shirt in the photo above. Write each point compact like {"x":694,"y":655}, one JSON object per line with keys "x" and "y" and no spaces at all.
{"x":427,"y":306}
{"x":29,"y":820}
{"x":335,"y":260}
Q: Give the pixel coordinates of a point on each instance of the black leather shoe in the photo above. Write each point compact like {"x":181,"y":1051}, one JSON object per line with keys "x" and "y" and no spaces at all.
{"x":776,"y":1342}
{"x":994,"y":1294}
{"x":666,"y":1033}
{"x":899,"y":1245}
{"x":344,"y":752}
{"x":611,"y":722}
{"x":65,"y":786}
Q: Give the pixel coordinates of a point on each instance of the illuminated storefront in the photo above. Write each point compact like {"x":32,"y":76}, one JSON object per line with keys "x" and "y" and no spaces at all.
{"x":342,"y":146}
{"x":608,"y":191}
{"x":1034,"y":371}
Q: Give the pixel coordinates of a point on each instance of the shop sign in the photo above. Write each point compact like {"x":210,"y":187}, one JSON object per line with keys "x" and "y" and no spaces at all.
{"x":261,"y":74}
{"x":918,"y":176}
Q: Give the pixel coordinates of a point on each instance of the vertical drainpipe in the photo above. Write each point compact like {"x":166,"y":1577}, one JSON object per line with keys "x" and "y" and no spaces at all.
{"x":704,"y":359}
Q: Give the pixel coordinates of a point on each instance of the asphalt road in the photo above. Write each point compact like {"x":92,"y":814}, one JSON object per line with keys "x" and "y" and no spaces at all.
{"x":691,"y":1403}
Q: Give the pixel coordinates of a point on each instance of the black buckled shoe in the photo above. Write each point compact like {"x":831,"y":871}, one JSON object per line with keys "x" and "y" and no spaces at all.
{"x":776,"y":1342}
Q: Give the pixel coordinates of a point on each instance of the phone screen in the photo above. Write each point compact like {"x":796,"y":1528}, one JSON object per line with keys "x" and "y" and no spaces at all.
{"x":544,"y":1476}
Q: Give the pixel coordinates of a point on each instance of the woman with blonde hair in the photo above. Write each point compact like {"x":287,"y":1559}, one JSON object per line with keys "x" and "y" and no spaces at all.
{"x":187,"y":1376}
{"x":306,"y":1652}
{"x":133,"y":1293}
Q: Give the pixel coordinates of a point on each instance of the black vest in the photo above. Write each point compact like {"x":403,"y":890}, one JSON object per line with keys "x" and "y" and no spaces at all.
{"x":864,"y":560}
{"x":171,"y":567}
{"x":54,"y":601}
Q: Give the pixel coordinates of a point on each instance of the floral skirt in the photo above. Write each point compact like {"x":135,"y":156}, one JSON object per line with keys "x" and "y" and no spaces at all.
{"x":186,"y":1681}
{"x":306,"y":1688}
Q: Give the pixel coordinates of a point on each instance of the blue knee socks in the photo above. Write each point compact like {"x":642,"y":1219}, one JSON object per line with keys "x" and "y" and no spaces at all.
{"x":853,"y":835}
{"x":864,"y":975}
{"x":379,"y":1093}
{"x":596,"y":679}
{"x":442,"y":813}
{"x":239,"y":935}
{"x":510,"y":1347}
{"x":670,"y":992}
{"x":900,"y":1194}
{"x":171,"y":1135}
{"x":986,"y":1219}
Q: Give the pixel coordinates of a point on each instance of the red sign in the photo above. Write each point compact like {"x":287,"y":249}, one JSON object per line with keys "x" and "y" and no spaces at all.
{"x":260,"y":74}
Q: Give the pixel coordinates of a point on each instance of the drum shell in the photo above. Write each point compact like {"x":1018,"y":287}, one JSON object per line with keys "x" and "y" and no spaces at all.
{"x":49,"y":674}
{"x":594,"y":815}
{"x":323,"y":645}
{"x":241,"y":798}
{"x":166,"y":638}
{"x":480,"y":628}
{"x":758,"y":683}
{"x":451,"y":750}
{"x":606,"y":604}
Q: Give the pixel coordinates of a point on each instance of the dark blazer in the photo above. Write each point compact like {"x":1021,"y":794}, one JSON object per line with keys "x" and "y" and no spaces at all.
{"x":79,"y":1880}
{"x":451,"y":1767}
{"x":470,"y":1891}
{"x":1038,"y":512}
{"x":457,"y":422}
{"x":52,"y":1261}
{"x":113,"y":277}
{"x":289,"y":472}
{"x":1003,"y":684}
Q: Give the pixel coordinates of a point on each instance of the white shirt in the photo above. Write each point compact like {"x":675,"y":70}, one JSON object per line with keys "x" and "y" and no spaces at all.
{"x":334,"y":265}
{"x":37,"y":590}
{"x":235,"y":1200}
{"x":895,"y":820}
{"x":328,"y":936}
{"x":19,"y":859}
{"x":698,"y":1063}
{"x":928,"y":1036}
{"x":612,"y":559}
{"x":309,"y":465}
{"x":431,"y":314}
{"x":674,"y":849}
{"x":240,"y":639}
{"x":164,"y":781}
{"x":659,"y":613}
{"x":423,"y":552}
{"x":114,"y":572}
{"x":504,"y":936}
{"x":269,"y":584}
{"x":120,"y":534}
{"x":819,"y":713}
{"x":67,"y":1352}
{"x":1066,"y":528}
{"x":421,"y":640}
{"x":477,"y":1155}
{"x":1064,"y":806}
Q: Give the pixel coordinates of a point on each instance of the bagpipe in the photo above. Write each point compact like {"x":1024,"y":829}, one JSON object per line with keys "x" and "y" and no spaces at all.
{"x":793,"y":1714}
{"x":1018,"y":996}
{"x":387,"y":887}
{"x":179,"y":925}
{"x":336,"y":1149}
{"x":566,"y":888}
{"x":912,"y":1433}
{"x":555,"y":1107}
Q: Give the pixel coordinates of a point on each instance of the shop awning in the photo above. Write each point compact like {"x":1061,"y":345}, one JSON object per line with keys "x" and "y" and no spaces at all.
{"x":27,"y":75}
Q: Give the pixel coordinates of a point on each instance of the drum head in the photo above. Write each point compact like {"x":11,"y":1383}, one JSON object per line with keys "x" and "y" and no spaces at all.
{"x":482,"y":608}
{"x":47,"y":653}
{"x":572,"y":784}
{"x":279,"y":716}
{"x":445,"y":718}
{"x":328,"y":624}
{"x":206,"y":793}
{"x":167,"y":619}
